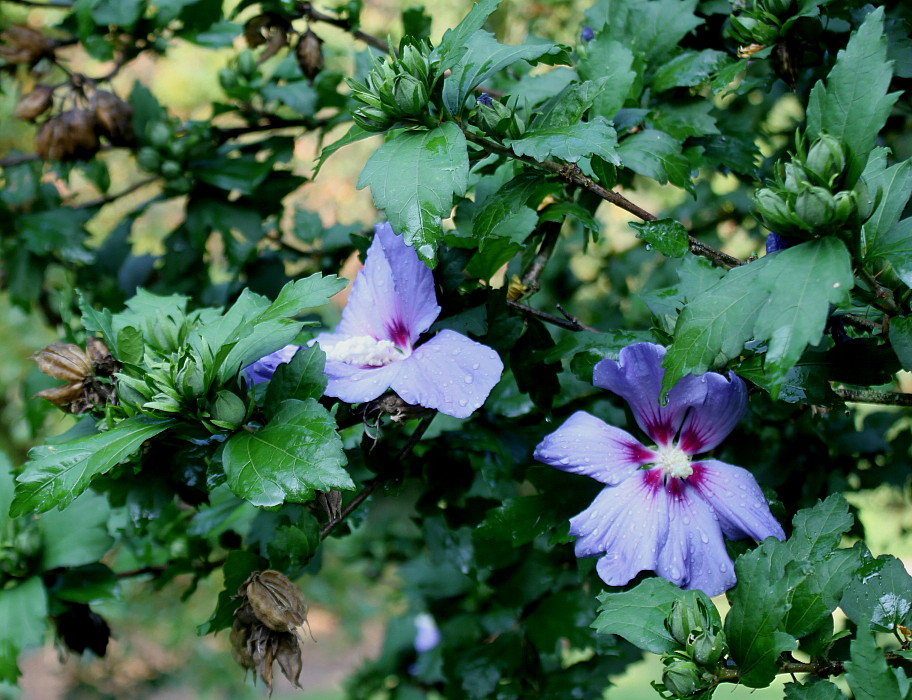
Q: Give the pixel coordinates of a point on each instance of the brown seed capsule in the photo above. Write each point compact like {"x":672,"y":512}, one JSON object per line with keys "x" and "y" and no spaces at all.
{"x":80,"y":141}
{"x":240,"y":636}
{"x":102,"y":360}
{"x":309,"y":53}
{"x":23,"y":45}
{"x":64,"y":361}
{"x":276,"y":601}
{"x":262,"y":647}
{"x":46,"y":140}
{"x":288,"y":654}
{"x":63,"y":396}
{"x":35,"y":103}
{"x":113,"y":118}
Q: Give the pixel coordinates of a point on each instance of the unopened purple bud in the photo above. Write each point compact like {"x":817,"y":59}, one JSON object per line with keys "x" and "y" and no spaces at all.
{"x":427,"y":635}
{"x":775,"y":242}
{"x":587,"y":34}
{"x":484,"y":99}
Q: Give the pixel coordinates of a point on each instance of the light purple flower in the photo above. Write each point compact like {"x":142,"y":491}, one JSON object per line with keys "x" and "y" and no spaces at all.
{"x":427,"y":635}
{"x":375,"y":347}
{"x":661,"y":510}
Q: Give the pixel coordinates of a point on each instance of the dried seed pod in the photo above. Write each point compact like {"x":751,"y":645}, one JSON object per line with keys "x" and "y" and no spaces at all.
{"x":113,"y":118}
{"x":262,"y":647}
{"x":79,"y":137}
{"x":276,"y":601}
{"x":102,"y":360}
{"x":309,"y":53}
{"x":64,"y":361}
{"x":80,"y":628}
{"x":47,"y":141}
{"x":63,"y":396}
{"x":288,"y":654}
{"x":35,"y":103}
{"x":239,"y":638}
{"x":24,"y":45}
{"x":331,"y":502}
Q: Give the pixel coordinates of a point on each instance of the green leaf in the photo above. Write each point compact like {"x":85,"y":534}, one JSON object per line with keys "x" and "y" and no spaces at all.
{"x":688,"y":69}
{"x":298,"y":296}
{"x":884,"y":238}
{"x":638,"y":615}
{"x":77,"y":535}
{"x":681,"y":121}
{"x":867,"y":672}
{"x":414,"y":177}
{"x":353,"y":135}
{"x":651,"y":28}
{"x":901,"y":339}
{"x":607,"y":58}
{"x":243,"y":174}
{"x":56,"y":474}
{"x":293,"y":545}
{"x":239,"y":564}
{"x":880,"y":597}
{"x":296,"y":453}
{"x":518,"y":520}
{"x":821,"y":690}
{"x":569,"y":143}
{"x":854,"y":105}
{"x":782,"y":298}
{"x":668,"y":236}
{"x":657,"y":155}
{"x":7,"y":489}
{"x":302,"y":379}
{"x":23,"y":618}
{"x":455,"y":41}
{"x":484,"y":57}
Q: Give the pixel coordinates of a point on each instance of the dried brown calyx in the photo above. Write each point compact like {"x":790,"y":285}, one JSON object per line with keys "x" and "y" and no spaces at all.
{"x":68,"y":136}
{"x":309,"y":53}
{"x":35,"y":103}
{"x":23,"y":45}
{"x":113,"y":118}
{"x":269,"y":626}
{"x":87,"y":373}
{"x":269,"y":29}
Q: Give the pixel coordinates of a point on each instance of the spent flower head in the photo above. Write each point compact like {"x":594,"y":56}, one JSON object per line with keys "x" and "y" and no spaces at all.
{"x":662,"y":508}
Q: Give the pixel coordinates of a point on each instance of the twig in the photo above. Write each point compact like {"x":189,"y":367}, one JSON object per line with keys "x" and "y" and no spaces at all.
{"x":883,"y":297}
{"x":885,"y":398}
{"x":101,"y":201}
{"x":570,"y":323}
{"x":572,"y":174}
{"x":373,"y":485}
{"x":18,"y":160}
{"x":316,"y":16}
{"x":862,"y":323}
{"x":545,"y":251}
{"x":50,"y":4}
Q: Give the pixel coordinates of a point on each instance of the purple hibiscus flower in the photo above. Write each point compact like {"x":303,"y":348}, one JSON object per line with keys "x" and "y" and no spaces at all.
{"x":662,"y":509}
{"x":375,"y":347}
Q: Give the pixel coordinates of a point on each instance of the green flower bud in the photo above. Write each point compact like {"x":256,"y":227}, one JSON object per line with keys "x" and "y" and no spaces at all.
{"x":246,"y":64}
{"x":148,"y":159}
{"x":826,"y":159}
{"x":409,"y":95}
{"x":159,"y":134}
{"x":171,"y":169}
{"x":228,"y":410}
{"x":815,"y":206}
{"x":865,"y":201}
{"x":372,"y":119}
{"x":773,"y":209}
{"x":707,"y":648}
{"x":844,"y":207}
{"x":795,"y":178}
{"x":191,"y":379}
{"x":752,"y":30}
{"x":683,"y":620}
{"x":416,"y":63}
{"x":227,"y":79}
{"x":682,"y":677}
{"x":778,"y":8}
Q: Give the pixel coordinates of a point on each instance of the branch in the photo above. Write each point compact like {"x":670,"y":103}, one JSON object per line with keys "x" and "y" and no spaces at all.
{"x":572,"y":174}
{"x":373,"y":485}
{"x":545,"y":251}
{"x":18,"y":160}
{"x":885,"y":398}
{"x":316,"y":16}
{"x":101,"y":201}
{"x":570,"y":323}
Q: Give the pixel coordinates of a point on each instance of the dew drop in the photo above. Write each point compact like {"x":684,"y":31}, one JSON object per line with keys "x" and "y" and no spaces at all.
{"x":686,"y":520}
{"x":565,"y":460}
{"x":704,"y":538}
{"x":469,"y":379}
{"x":463,"y":402}
{"x":475,"y":366}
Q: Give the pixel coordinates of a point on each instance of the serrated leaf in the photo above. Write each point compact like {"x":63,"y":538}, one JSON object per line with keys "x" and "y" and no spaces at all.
{"x":688,"y":69}
{"x":570,"y":104}
{"x":569,"y":143}
{"x":854,"y":105}
{"x":77,"y":535}
{"x":880,"y":597}
{"x":7,"y":489}
{"x":638,"y":615}
{"x":302,"y":379}
{"x":353,"y":135}
{"x":298,"y":452}
{"x":816,"y":598}
{"x":299,"y":295}
{"x":867,"y":672}
{"x":23,"y":618}
{"x":782,"y":298}
{"x":651,"y":28}
{"x":820,"y":528}
{"x":821,"y":690}
{"x":510,"y":211}
{"x":682,"y":121}
{"x":414,"y":177}
{"x":56,"y":474}
{"x":608,"y":58}
{"x":454,"y":42}
{"x":901,"y":339}
{"x":668,"y":236}
{"x":657,"y":155}
{"x":485,"y":56}
{"x":884,"y":238}
{"x":518,"y":520}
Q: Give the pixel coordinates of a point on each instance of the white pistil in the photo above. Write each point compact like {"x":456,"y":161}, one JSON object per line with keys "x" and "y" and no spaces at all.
{"x":673,"y":461}
{"x":365,"y":350}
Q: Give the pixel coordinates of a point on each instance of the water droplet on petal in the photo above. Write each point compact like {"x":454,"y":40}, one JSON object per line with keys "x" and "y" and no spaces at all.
{"x":463,"y":402}
{"x":475,"y":366}
{"x":704,"y":538}
{"x":565,"y":460}
{"x":469,"y":379}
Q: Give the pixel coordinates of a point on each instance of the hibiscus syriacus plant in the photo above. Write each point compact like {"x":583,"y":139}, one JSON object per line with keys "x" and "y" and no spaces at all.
{"x":662,"y":509}
{"x":377,"y":344}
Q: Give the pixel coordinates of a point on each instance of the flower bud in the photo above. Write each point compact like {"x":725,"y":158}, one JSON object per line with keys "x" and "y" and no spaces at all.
{"x":410,"y":95}
{"x":864,"y":201}
{"x":826,"y":159}
{"x":22,"y":45}
{"x":587,"y":34}
{"x":149,"y":159}
{"x":707,"y":648}
{"x":114,"y":118}
{"x":309,"y":52}
{"x":815,"y":206}
{"x":795,"y":177}
{"x":246,"y":64}
{"x":415,"y":62}
{"x":372,"y":119}
{"x":776,"y":242}
{"x":159,"y":134}
{"x":778,"y":8}
{"x":683,"y":620}
{"x":682,"y":677}
{"x":844,"y":207}
{"x":35,"y":103}
{"x":772,"y":208}
{"x":228,"y":410}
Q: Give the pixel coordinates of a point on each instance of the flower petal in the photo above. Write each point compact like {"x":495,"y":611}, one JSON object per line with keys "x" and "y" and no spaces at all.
{"x":694,"y":554}
{"x":637,"y":378}
{"x":587,"y":445}
{"x":628,"y":522}
{"x":709,"y":421}
{"x":357,"y":384}
{"x":736,"y":499}
{"x":450,"y":372}
{"x":393,"y":296}
{"x":263,"y":369}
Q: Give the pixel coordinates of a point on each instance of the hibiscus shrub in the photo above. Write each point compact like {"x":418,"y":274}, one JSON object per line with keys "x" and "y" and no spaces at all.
{"x":731,"y":367}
